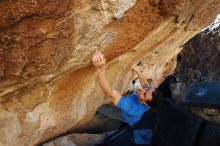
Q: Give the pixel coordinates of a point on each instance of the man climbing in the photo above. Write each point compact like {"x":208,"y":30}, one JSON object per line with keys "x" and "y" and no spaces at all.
{"x":132,"y":106}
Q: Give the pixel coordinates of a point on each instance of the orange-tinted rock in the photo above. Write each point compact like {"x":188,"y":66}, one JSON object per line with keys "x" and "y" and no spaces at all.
{"x":47,"y":82}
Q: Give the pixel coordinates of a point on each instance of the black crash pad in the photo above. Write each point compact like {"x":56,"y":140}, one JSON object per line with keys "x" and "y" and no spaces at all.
{"x":175,"y":127}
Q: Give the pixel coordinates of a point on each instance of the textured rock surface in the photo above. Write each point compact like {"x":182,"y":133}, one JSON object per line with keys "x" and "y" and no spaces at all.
{"x":199,"y":60}
{"x":47,"y":82}
{"x":78,"y":140}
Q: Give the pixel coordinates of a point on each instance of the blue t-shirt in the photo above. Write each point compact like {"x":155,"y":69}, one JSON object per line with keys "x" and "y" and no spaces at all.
{"x":132,"y":110}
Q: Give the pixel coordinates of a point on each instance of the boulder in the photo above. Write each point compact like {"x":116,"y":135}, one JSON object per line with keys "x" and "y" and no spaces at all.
{"x":47,"y":81}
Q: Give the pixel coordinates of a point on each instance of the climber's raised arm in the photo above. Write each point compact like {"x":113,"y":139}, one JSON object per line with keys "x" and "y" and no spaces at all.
{"x":141,"y":78}
{"x":99,"y":62}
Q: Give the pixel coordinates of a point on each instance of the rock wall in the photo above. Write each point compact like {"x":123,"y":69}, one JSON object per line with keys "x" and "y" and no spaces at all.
{"x":47,"y":81}
{"x":199,"y":62}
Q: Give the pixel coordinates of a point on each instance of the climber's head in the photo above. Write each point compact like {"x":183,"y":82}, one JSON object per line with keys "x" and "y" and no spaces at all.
{"x":145,"y":94}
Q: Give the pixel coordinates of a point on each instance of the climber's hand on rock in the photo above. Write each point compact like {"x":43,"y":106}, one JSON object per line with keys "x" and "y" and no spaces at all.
{"x":99,"y":60}
{"x":135,"y":68}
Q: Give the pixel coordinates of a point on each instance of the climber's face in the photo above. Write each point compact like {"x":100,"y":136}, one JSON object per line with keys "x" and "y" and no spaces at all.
{"x":144,"y":95}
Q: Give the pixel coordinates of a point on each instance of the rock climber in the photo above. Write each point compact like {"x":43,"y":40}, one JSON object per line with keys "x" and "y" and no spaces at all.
{"x":132,"y":106}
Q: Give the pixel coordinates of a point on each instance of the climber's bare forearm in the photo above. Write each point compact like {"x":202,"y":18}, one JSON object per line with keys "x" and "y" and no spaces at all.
{"x":103,"y":82}
{"x":106,"y":88}
{"x":99,"y":62}
{"x":142,"y":79}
